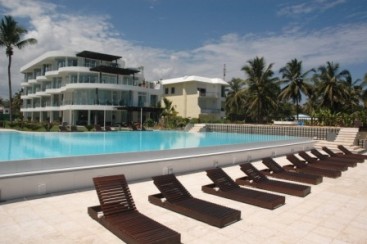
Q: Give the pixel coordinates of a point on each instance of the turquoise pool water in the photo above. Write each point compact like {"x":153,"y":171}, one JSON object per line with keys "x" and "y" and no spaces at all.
{"x":20,"y":145}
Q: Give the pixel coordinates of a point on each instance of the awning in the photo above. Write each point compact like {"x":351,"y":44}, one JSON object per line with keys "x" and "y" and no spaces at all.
{"x":98,"y":56}
{"x":145,"y":109}
{"x":115,"y":70}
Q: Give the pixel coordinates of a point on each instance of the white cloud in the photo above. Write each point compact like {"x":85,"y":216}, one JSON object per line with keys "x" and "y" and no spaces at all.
{"x":309,"y":7}
{"x":344,"y":44}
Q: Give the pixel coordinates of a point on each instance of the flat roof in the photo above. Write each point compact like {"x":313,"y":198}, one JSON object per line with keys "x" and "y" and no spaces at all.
{"x":194,"y":78}
{"x":99,"y":56}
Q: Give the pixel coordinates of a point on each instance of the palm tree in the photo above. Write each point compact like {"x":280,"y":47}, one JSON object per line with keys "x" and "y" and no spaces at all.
{"x":354,"y":93}
{"x":235,"y":99}
{"x":364,"y":92}
{"x":261,"y":87}
{"x":294,"y":80}
{"x":331,"y":84}
{"x":168,"y":111}
{"x":11,"y":36}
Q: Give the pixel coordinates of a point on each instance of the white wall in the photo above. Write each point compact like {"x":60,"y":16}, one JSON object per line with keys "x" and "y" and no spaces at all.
{"x":19,"y":179}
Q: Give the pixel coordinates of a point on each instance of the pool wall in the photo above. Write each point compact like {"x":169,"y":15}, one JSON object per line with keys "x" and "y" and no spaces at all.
{"x":30,"y":178}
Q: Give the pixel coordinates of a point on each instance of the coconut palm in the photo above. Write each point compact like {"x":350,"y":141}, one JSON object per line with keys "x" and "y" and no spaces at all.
{"x":353,"y":90}
{"x":261,"y":87}
{"x":168,"y":111}
{"x":364,"y":91}
{"x":235,"y":99}
{"x":11,"y":37}
{"x":331,"y":86}
{"x":294,"y":81}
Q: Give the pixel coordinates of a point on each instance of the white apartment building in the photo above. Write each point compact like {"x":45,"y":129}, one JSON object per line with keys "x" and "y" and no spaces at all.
{"x":87,"y":87}
{"x":196,"y":96}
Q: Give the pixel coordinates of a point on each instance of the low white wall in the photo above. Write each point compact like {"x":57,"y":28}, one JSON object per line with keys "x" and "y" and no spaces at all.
{"x":38,"y":177}
{"x":285,"y":123}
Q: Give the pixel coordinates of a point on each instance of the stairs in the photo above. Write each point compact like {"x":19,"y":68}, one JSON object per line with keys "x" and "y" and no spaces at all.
{"x":198,"y":128}
{"x":346,"y":137}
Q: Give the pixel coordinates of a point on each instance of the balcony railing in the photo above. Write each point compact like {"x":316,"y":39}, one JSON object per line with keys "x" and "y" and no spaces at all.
{"x":208,"y":94}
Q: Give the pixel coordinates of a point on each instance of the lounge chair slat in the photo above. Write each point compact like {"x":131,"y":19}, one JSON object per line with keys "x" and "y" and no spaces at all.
{"x":270,"y":185}
{"x":321,"y":156}
{"x":276,"y":171}
{"x":355,"y":155}
{"x":323,"y":164}
{"x":341,"y":155}
{"x":300,"y":166}
{"x":178,"y":199}
{"x":229,"y":189}
{"x":120,"y":216}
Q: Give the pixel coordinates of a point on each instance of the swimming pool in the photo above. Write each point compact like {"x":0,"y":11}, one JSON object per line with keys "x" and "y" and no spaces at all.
{"x":29,"y":145}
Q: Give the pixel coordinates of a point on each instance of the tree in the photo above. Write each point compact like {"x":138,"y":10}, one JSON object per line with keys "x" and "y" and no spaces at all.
{"x":168,"y":111}
{"x":294,"y":80}
{"x":353,"y":91}
{"x":235,"y":99}
{"x":261,"y":88}
{"x":364,"y":91}
{"x":331,"y":86}
{"x":11,"y":37}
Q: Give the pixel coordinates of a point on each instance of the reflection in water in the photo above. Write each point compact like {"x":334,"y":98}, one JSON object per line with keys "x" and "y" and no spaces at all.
{"x":17,"y":146}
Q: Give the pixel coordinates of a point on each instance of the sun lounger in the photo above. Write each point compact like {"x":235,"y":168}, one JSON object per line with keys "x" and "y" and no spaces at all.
{"x":323,"y":164}
{"x":347,"y":152}
{"x":276,"y":171}
{"x":341,"y":155}
{"x":63,"y":128}
{"x":176,"y":198}
{"x":98,"y":127}
{"x":225,"y":187}
{"x":321,"y":156}
{"x":301,"y":166}
{"x":257,"y":179}
{"x":118,"y":214}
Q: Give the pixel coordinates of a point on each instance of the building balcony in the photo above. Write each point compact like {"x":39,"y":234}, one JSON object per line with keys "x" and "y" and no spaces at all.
{"x":41,"y":78}
{"x":43,"y":94}
{"x":32,"y":81}
{"x":73,"y":69}
{"x":211,"y":111}
{"x":204,"y":95}
{"x":25,"y":84}
{"x":51,"y":73}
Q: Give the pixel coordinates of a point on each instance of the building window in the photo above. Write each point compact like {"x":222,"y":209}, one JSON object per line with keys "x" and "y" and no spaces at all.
{"x":223,"y":91}
{"x":172,"y":90}
{"x":166,"y":91}
{"x":202,"y":92}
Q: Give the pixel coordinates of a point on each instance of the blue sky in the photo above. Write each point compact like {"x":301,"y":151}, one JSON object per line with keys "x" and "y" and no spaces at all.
{"x":173,"y":38}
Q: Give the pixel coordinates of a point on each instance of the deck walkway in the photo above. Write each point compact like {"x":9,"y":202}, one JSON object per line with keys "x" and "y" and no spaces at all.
{"x":334,"y":212}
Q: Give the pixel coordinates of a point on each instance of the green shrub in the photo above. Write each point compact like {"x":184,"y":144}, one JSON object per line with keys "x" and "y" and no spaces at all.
{"x":89,"y":127}
{"x":149,"y":123}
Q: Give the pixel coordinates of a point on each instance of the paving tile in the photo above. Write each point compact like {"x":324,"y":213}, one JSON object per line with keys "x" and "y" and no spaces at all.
{"x":334,"y":212}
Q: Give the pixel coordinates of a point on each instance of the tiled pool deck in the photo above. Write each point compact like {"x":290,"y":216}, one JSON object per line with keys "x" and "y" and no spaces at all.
{"x":334,"y":212}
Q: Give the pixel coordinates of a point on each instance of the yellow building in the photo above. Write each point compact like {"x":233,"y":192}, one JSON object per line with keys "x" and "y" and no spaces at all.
{"x":195,"y":96}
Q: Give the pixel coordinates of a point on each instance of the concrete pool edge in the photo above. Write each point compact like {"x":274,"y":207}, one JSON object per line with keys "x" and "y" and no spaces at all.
{"x":135,"y":166}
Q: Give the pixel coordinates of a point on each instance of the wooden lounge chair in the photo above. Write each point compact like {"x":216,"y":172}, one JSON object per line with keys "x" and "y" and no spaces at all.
{"x":74,"y":128}
{"x":341,"y":155}
{"x":225,"y":187}
{"x":347,"y":152}
{"x":276,"y":171}
{"x":257,"y":179}
{"x":321,"y":156}
{"x":301,"y":166}
{"x":118,"y":214}
{"x":63,"y":128}
{"x":323,"y":164}
{"x":176,"y":198}
{"x":98,"y":128}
